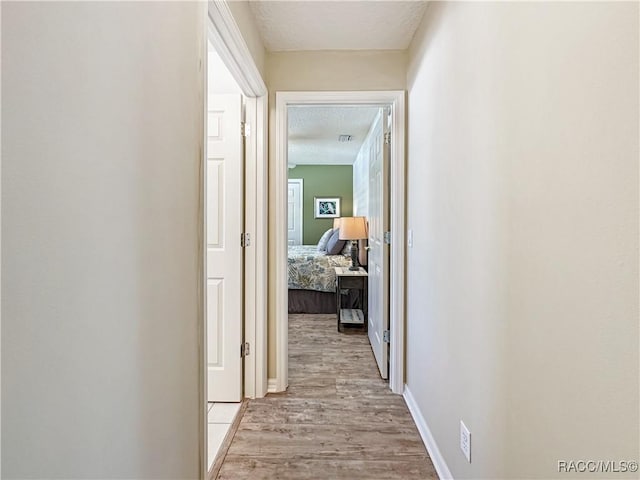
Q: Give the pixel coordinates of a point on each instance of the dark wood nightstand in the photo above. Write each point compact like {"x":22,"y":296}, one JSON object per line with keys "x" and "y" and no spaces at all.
{"x":347,"y":280}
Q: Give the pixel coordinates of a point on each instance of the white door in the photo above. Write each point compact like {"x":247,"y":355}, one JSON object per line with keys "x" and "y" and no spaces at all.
{"x":378,"y":305}
{"x":294,"y":212}
{"x":224,"y":217}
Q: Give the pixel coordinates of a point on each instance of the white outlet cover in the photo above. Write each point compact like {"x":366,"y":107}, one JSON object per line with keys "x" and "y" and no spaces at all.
{"x":410,"y":238}
{"x":465,"y":441}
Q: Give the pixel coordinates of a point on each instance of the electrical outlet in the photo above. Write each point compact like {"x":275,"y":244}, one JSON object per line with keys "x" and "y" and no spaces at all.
{"x":465,"y":441}
{"x":410,"y":238}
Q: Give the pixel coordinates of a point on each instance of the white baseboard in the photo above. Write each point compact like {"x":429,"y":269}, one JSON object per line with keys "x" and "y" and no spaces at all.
{"x":272,"y":385}
{"x":427,"y":437}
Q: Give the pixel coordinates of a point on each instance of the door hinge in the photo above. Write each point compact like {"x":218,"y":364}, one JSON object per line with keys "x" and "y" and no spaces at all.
{"x":245,"y":129}
{"x":245,"y":350}
{"x":245,"y":240}
{"x":387,"y":238}
{"x":387,"y":138}
{"x":386,"y":336}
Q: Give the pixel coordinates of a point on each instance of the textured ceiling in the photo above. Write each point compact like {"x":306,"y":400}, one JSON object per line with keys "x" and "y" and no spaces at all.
{"x":337,"y":25}
{"x":314,"y":131}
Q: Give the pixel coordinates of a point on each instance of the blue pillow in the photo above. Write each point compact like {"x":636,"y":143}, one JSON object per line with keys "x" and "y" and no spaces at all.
{"x":335,"y":245}
{"x":322,"y":243}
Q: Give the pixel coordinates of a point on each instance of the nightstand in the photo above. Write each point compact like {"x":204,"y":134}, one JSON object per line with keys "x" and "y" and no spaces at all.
{"x":348,"y":280}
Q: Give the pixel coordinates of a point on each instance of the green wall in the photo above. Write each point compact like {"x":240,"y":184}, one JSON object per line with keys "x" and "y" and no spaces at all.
{"x":323,"y":181}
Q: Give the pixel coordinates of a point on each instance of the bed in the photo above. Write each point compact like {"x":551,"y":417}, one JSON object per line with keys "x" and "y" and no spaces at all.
{"x":312,"y":279}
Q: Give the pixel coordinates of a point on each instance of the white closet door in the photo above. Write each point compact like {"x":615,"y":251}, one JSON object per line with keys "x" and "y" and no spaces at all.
{"x":225,"y":193}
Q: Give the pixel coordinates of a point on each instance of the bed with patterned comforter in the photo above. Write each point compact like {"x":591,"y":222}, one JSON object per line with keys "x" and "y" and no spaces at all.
{"x":310,"y":269}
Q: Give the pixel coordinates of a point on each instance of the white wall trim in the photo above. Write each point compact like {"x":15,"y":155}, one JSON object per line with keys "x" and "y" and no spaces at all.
{"x":396,"y":100}
{"x":427,"y":437}
{"x":272,"y":385}
{"x":203,"y":433}
{"x":250,"y":259}
{"x":1,"y":259}
{"x":398,"y":259}
{"x":280,"y":213}
{"x":260,"y":245}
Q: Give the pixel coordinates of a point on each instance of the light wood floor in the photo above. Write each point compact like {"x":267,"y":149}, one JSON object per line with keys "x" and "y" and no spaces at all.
{"x":337,"y":420}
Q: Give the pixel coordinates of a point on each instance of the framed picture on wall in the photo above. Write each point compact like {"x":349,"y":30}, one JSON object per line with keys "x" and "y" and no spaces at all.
{"x":326,"y":207}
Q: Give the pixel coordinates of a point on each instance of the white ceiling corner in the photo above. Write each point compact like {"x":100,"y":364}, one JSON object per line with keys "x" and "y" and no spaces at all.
{"x":337,"y":25}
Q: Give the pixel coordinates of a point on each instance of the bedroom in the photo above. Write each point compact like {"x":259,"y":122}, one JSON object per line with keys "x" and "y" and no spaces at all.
{"x":329,"y":152}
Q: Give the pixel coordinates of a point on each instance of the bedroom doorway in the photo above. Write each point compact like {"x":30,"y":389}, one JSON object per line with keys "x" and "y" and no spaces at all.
{"x":324,"y":143}
{"x":293,"y":152}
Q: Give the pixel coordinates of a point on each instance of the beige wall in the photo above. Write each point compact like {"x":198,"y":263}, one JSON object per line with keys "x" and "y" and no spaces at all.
{"x":102,"y":125}
{"x":246,"y":23}
{"x":523,"y":198}
{"x":326,"y":70}
{"x":336,"y":70}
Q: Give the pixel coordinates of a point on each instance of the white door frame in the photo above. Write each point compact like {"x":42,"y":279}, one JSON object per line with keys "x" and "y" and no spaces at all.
{"x":228,"y":42}
{"x":396,"y":100}
{"x":300,"y":182}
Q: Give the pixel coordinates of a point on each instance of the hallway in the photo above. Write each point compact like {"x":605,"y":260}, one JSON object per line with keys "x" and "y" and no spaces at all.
{"x":337,"y":420}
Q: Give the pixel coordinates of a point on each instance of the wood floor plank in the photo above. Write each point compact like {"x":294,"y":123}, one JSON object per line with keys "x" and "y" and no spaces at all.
{"x":340,"y":469}
{"x":327,"y":411}
{"x":353,"y":441}
{"x":337,"y":420}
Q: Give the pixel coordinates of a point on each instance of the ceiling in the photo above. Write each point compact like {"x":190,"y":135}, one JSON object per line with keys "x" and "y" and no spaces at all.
{"x":314,"y":132}
{"x":333,"y":25}
{"x":337,"y":25}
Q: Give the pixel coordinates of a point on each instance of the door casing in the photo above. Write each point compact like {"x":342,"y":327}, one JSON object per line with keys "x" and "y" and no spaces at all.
{"x":396,"y":101}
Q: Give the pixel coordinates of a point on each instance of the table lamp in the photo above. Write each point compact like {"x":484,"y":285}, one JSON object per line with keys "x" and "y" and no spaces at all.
{"x":354,"y":229}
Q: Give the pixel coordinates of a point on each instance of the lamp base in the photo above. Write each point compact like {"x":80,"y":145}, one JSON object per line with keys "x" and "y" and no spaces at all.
{"x":354,"y":256}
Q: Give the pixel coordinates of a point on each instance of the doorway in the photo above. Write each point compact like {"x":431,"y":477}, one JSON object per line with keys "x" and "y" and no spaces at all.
{"x":234,"y":232}
{"x":395,"y":103}
{"x":224,"y":219}
{"x":331,"y":148}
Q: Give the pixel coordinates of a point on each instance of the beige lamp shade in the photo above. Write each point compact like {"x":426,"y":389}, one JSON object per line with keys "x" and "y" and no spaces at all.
{"x":336,"y":222}
{"x":353,"y":228}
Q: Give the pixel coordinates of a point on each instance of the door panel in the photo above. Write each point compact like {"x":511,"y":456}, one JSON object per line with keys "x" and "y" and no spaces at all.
{"x":294,"y":212}
{"x":379,"y":251}
{"x":215,"y":210}
{"x":225,"y":193}
{"x":215,"y":346}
